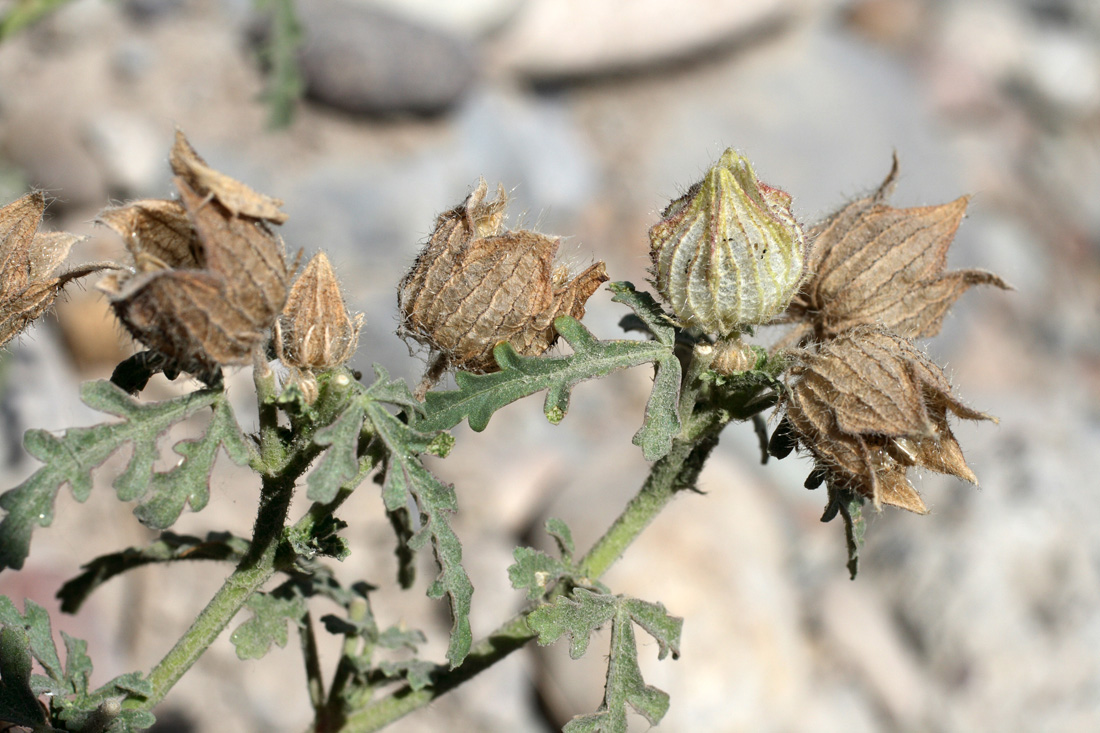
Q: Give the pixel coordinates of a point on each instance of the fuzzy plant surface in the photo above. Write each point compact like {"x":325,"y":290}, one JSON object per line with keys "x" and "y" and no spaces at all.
{"x":208,"y":287}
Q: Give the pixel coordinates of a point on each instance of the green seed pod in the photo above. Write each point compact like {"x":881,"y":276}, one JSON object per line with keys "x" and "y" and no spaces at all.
{"x":728,"y":253}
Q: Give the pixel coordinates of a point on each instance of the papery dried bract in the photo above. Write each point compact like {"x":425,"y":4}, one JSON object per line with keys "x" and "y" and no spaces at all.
{"x":317,"y":332}
{"x":729,"y":253}
{"x":473,"y":287}
{"x":236,"y":197}
{"x":868,"y":405}
{"x":210,"y":280}
{"x":28,"y":259}
{"x":157,"y":232}
{"x":246,"y":252}
{"x":875,"y":265}
{"x":185,"y":315}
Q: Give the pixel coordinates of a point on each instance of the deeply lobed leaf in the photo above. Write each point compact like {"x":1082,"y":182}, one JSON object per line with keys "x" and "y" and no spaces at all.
{"x":71,"y":458}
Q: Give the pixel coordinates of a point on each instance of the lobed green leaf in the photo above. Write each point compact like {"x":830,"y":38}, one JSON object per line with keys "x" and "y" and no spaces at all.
{"x":168,"y":548}
{"x":536,"y":571}
{"x":71,"y":457}
{"x":480,"y":395}
{"x":576,"y":618}
{"x":268,"y":625}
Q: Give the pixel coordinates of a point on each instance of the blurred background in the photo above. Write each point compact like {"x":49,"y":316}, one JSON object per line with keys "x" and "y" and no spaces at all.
{"x":983,"y":616}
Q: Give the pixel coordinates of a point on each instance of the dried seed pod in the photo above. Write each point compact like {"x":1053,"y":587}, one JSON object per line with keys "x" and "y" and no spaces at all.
{"x":28,"y":259}
{"x":236,"y":197}
{"x":245,"y":251}
{"x":157,"y":232}
{"x":316,"y":331}
{"x":728,"y":253}
{"x":875,"y":265}
{"x":473,"y":287}
{"x":210,"y":280}
{"x":868,"y":405}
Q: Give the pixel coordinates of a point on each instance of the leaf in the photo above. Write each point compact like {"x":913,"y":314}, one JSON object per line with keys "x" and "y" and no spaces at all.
{"x":647,"y":309}
{"x":254,"y":637}
{"x":406,"y":476}
{"x":563,"y":536}
{"x":168,"y":548}
{"x":71,"y":458}
{"x":536,"y":571}
{"x":340,"y":463}
{"x":576,"y":618}
{"x":27,"y":635}
{"x":18,"y":703}
{"x":401,"y":637}
{"x":480,"y":395}
{"x":418,"y":673}
{"x":625,"y":685}
{"x":189,"y":481}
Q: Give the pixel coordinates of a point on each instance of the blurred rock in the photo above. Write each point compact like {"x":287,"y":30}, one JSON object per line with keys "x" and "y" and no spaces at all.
{"x":46,"y":149}
{"x":90,"y":332}
{"x":363,"y":60}
{"x":552,"y":39}
{"x":130,"y":153}
{"x":1063,"y":68}
{"x":899,"y":24}
{"x":467,"y":19}
{"x":149,"y":11}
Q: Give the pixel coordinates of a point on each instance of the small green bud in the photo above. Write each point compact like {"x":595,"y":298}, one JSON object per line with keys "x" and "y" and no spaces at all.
{"x":728,"y":253}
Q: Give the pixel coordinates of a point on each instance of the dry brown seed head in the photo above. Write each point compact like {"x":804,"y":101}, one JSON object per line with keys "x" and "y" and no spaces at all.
{"x":874,"y":265}
{"x":210,"y":280}
{"x":868,"y":405}
{"x":236,"y":197}
{"x":157,"y":232}
{"x":28,"y":260}
{"x":473,"y":287}
{"x":316,"y":331}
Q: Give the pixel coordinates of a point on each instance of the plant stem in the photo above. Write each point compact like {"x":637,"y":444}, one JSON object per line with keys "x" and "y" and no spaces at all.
{"x":676,"y":471}
{"x":254,"y":570}
{"x":314,"y":681}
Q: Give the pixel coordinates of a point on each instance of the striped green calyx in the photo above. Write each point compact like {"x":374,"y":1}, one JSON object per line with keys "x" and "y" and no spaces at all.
{"x":728,"y":253}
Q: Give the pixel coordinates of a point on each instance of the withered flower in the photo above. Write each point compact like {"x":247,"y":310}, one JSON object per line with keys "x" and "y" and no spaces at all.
{"x":208,"y":281}
{"x":728,"y":253}
{"x":475,"y":285}
{"x":28,"y":259}
{"x":875,"y":265}
{"x":868,"y":405}
{"x":236,"y":197}
{"x":316,"y":331}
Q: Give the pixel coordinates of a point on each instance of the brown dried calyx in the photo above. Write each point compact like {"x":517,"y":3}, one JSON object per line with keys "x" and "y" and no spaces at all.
{"x":475,"y":285}
{"x":28,"y":260}
{"x":315,"y":331}
{"x":209,"y":278}
{"x":868,"y":406}
{"x":875,"y":265}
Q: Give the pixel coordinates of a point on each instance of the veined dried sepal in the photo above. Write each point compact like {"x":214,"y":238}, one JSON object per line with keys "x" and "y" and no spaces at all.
{"x":474,"y":286}
{"x":209,"y":277}
{"x":317,"y":333}
{"x":875,"y":265}
{"x":868,"y":406}
{"x":28,"y":262}
{"x":728,"y":253}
